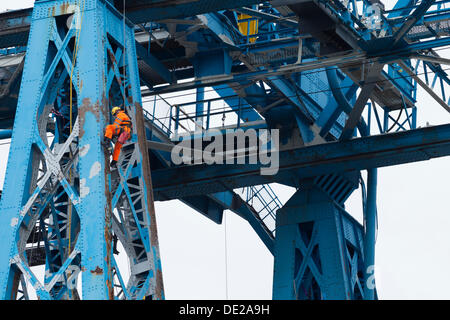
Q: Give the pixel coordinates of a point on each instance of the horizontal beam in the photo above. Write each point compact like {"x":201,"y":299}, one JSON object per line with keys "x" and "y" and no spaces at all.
{"x":268,"y":17}
{"x":345,"y":60}
{"x":294,"y":165}
{"x":420,"y":46}
{"x":153,"y":63}
{"x":15,"y":25}
{"x":5,"y":134}
{"x":211,"y":81}
{"x":432,"y":59}
{"x":172,"y":9}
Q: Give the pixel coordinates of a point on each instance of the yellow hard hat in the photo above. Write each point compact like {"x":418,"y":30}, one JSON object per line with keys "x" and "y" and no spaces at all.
{"x":115,"y":110}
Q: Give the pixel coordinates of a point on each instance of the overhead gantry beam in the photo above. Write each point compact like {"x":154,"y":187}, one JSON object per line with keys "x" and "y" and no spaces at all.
{"x":155,"y":10}
{"x":412,"y":20}
{"x":356,"y":154}
{"x":15,"y":25}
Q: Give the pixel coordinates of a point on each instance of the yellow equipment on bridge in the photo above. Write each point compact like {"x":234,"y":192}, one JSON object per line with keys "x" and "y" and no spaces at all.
{"x":245,"y":28}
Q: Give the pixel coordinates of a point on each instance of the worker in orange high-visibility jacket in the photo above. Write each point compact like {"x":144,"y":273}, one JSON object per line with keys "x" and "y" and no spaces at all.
{"x":121,"y":128}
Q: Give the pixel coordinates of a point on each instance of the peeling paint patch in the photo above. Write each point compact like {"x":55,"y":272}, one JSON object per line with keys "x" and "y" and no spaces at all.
{"x":203,"y":19}
{"x":73,"y":199}
{"x":95,"y":169}
{"x":226,"y":39}
{"x":84,"y":111}
{"x":14,"y":222}
{"x":84,"y":190}
{"x":223,"y":37}
{"x":97,"y":271}
{"x":84,"y":150}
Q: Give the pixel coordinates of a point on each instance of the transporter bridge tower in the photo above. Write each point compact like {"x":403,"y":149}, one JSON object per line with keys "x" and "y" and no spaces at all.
{"x":338,"y":79}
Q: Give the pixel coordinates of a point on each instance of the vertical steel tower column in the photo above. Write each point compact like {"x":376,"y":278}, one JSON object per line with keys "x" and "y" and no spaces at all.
{"x":62,"y":206}
{"x":370,"y":217}
{"x":318,"y":250}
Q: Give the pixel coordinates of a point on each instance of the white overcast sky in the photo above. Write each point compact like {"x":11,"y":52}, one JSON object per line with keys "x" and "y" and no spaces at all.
{"x":412,"y":251}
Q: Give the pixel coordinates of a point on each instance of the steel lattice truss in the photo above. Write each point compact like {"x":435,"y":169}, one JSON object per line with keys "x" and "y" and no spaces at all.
{"x":339,"y":79}
{"x":58,"y":219}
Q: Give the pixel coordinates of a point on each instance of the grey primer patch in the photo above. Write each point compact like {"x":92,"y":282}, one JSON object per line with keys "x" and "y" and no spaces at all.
{"x":84,"y":190}
{"x":84,"y":150}
{"x":14,"y":222}
{"x":95,"y":169}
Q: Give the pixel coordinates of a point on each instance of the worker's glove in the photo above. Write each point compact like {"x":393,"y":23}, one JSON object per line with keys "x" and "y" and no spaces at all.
{"x":106,"y":143}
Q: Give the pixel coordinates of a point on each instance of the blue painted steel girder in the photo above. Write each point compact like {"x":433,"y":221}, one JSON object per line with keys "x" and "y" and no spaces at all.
{"x":383,"y":157}
{"x":356,"y":154}
{"x":14,"y":25}
{"x":140,"y":11}
{"x":315,"y":259}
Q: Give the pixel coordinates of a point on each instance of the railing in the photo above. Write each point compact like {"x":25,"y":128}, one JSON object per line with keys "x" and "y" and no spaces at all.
{"x":150,"y":117}
{"x":157,"y":116}
{"x":265,"y":202}
{"x":261,"y":198}
{"x":176,"y":119}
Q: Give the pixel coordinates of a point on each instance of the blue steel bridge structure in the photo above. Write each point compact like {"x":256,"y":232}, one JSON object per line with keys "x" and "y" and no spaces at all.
{"x":338,"y":78}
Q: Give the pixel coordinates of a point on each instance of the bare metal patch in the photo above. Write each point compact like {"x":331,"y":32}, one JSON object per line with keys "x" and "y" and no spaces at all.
{"x":95,"y":169}
{"x":84,"y":190}
{"x":84,"y":150}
